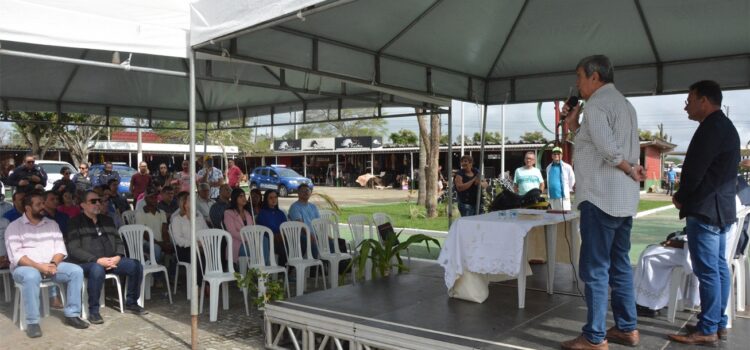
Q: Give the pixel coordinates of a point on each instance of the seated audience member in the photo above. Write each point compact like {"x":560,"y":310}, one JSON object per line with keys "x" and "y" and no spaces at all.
{"x":203,"y":203}
{"x":222,"y":203}
{"x":117,"y":198}
{"x":168,"y":203}
{"x":256,"y":201}
{"x":17,"y":210}
{"x":272,"y":217}
{"x":651,"y":277}
{"x":82,"y":180}
{"x":108,"y":208}
{"x":155,"y":219}
{"x":235,"y":218}
{"x":95,"y":244}
{"x":28,"y":176}
{"x":180,"y":228}
{"x":69,"y":206}
{"x":304,"y":211}
{"x":36,"y":251}
{"x":4,"y":206}
{"x":140,"y":203}
{"x":4,"y":263}
{"x":65,"y":184}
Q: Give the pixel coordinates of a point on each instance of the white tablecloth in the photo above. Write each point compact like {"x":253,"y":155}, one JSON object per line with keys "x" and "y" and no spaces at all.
{"x":491,"y":243}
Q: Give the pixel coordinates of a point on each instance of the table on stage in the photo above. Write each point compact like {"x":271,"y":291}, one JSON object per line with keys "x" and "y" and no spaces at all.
{"x":494,"y":246}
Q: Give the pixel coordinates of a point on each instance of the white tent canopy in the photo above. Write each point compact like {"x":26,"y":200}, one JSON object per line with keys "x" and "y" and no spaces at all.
{"x":260,"y":57}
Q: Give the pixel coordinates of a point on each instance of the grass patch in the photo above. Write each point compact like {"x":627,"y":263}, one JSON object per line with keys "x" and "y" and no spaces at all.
{"x":401,"y":213}
{"x":644,"y":205}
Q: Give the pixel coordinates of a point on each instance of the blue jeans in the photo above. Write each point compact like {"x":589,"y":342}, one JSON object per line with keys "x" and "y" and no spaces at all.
{"x":29,"y":278}
{"x":467,"y":209}
{"x":96,"y":273}
{"x":707,"y":245}
{"x":604,"y":263}
{"x":157,"y":250}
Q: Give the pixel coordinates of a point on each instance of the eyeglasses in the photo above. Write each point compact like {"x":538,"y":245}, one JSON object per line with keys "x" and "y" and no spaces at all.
{"x":95,"y":201}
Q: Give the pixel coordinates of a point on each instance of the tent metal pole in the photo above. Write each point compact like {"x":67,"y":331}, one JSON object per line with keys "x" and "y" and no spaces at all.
{"x":193,"y":187}
{"x":304,"y":165}
{"x":462,"y":130}
{"x":502,"y":140}
{"x":82,"y":62}
{"x":481,"y":158}
{"x":450,"y":159}
{"x":335,"y":178}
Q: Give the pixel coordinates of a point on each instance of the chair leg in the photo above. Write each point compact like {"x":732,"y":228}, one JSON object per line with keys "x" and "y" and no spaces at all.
{"x":286,"y":284}
{"x":324,"y":275}
{"x":45,"y":301}
{"x":334,"y":272}
{"x":119,"y":294}
{"x":148,"y":281}
{"x":16,"y":306}
{"x":203,"y":294}
{"x":176,"y":276}
{"x":214,"y":302}
{"x":244,"y":297}
{"x":741,"y":285}
{"x":225,"y":295}
{"x":300,"y":273}
{"x":188,"y":284}
{"x":169,"y":289}
{"x":85,"y":300}
{"x":142,"y":299}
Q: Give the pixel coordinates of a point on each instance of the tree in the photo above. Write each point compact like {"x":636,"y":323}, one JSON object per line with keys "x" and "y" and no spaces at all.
{"x":404,"y":137}
{"x":39,"y":130}
{"x":80,"y":139}
{"x":490,"y":138}
{"x":429,"y":151}
{"x":328,"y":124}
{"x":533,"y":137}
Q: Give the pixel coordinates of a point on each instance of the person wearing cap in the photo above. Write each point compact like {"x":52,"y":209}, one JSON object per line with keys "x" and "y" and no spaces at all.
{"x":155,"y":219}
{"x":560,"y":181}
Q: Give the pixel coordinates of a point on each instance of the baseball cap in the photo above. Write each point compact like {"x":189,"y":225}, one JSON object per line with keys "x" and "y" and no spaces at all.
{"x":557,"y":150}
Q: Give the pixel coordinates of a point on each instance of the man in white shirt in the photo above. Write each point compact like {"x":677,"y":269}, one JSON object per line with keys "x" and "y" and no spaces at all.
{"x":155,"y":219}
{"x":204,"y":202}
{"x":528,"y":177}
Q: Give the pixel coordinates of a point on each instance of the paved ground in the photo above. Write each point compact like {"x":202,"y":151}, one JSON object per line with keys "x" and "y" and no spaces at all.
{"x":164,"y":327}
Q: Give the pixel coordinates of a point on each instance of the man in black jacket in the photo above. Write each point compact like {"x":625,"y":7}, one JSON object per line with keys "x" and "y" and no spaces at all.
{"x":707,"y":199}
{"x":28,"y":176}
{"x":95,"y":244}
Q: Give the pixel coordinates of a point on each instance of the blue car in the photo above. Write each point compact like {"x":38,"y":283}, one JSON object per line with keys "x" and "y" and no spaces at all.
{"x":279,"y":178}
{"x":125,"y":173}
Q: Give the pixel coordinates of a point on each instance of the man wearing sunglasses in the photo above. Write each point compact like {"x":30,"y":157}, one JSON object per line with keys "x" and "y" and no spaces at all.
{"x":28,"y":176}
{"x":94,"y":243}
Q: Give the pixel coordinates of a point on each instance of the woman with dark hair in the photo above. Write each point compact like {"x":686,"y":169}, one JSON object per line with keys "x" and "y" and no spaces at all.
{"x":235,"y":218}
{"x":255,"y":202}
{"x":272,"y":217}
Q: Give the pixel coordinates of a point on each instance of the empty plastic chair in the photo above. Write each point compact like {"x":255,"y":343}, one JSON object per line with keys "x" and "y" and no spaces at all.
{"x":213,"y":272}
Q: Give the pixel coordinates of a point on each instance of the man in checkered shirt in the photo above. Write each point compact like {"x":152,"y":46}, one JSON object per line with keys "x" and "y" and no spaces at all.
{"x":607,"y":188}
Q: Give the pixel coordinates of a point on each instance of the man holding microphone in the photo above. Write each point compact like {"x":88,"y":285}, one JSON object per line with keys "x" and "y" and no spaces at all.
{"x":607,"y":193}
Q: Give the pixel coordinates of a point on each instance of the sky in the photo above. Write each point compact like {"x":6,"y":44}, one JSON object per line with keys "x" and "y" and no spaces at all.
{"x":520,"y":118}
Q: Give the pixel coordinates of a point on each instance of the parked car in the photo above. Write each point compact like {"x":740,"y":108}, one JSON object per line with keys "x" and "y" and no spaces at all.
{"x":121,"y":168}
{"x":52,"y":168}
{"x":278,"y":177}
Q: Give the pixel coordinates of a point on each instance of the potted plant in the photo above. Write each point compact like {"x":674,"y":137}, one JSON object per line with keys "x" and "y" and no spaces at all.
{"x":386,"y":255}
{"x":258,"y":284}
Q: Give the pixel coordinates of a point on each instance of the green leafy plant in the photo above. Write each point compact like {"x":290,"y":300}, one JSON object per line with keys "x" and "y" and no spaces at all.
{"x":272,"y":290}
{"x":386,"y":255}
{"x":417,"y":212}
{"x":332,"y":205}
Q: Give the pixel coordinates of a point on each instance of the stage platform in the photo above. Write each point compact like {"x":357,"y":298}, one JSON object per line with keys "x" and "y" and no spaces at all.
{"x":413,"y":311}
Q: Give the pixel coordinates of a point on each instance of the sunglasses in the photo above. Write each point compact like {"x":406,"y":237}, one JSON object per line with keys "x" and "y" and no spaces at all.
{"x":30,"y":162}
{"x":95,"y":201}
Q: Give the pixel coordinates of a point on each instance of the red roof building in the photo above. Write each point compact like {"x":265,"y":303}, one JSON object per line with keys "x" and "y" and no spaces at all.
{"x":132,"y":136}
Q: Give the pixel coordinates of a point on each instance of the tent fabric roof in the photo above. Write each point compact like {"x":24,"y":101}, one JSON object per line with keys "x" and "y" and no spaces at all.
{"x":526,"y":50}
{"x":257,"y":56}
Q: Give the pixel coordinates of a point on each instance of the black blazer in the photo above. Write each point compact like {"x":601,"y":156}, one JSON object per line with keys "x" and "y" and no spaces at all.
{"x":81,"y":234}
{"x":709,"y":172}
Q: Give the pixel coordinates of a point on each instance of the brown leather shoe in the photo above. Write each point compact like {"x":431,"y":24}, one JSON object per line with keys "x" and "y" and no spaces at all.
{"x":695,"y":338}
{"x":581,"y":343}
{"x":722,"y":333}
{"x":617,"y":336}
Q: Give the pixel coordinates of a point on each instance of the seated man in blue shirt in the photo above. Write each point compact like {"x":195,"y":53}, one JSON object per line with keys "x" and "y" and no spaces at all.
{"x":17,"y":210}
{"x":304,"y":211}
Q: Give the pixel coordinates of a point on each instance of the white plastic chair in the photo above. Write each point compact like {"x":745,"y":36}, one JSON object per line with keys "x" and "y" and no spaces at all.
{"x":5,"y":274}
{"x":359,"y":226}
{"x":186,"y":265}
{"x":128,"y":217}
{"x":382,"y":218}
{"x":291,"y":231}
{"x":326,"y":229}
{"x":214,"y":273}
{"x":19,"y":311}
{"x":330,"y":215}
{"x":252,"y":240}
{"x":85,"y":297}
{"x":741,"y":268}
{"x":133,"y":237}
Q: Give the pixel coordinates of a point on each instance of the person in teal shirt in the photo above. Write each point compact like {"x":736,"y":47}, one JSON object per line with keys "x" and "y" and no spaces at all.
{"x":528,"y":177}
